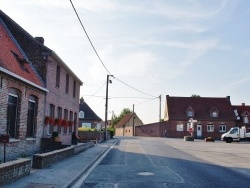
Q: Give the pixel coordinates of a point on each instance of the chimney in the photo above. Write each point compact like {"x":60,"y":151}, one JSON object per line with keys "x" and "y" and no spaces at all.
{"x":228,"y":98}
{"x":40,"y":40}
{"x":242,"y":104}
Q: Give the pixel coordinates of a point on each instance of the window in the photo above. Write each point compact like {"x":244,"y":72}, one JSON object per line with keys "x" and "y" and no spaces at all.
{"x":12,"y":113}
{"x":210,"y":128}
{"x":214,"y":114}
{"x":65,"y":118}
{"x":31,"y":119}
{"x":67,"y":84}
{"x":179,"y":127}
{"x":71,"y":119}
{"x":81,"y":114}
{"x":74,"y":89}
{"x":190,"y":112}
{"x":52,"y":116}
{"x":58,"y":71}
{"x":59,"y":116}
{"x":223,"y":128}
{"x":75,"y":121}
{"x":245,"y":119}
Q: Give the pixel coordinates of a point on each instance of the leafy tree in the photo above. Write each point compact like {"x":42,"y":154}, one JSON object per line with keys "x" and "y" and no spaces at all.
{"x":194,"y":95}
{"x":116,"y":119}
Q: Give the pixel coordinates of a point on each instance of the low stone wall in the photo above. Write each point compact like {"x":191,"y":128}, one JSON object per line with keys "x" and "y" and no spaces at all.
{"x":13,"y":170}
{"x":82,"y":147}
{"x":46,"y":159}
{"x":92,"y":136}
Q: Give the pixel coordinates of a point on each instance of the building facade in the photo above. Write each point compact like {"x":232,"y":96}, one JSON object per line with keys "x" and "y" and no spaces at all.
{"x":22,"y":95}
{"x":126,"y":126}
{"x":200,"y":116}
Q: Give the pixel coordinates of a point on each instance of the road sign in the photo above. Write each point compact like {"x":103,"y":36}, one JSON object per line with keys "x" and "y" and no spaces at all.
{"x":190,"y":130}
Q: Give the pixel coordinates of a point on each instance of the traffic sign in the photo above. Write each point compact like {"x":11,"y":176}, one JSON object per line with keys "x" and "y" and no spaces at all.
{"x":190,"y":130}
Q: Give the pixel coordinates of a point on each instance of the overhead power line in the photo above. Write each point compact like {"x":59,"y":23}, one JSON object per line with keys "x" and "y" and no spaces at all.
{"x":89,"y":38}
{"x":99,"y":56}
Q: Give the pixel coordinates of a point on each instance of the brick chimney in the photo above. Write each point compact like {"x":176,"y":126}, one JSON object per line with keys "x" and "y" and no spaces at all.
{"x":242,"y":104}
{"x":40,"y":40}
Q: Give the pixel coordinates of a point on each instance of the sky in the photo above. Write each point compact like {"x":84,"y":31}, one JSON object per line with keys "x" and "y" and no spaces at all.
{"x":152,"y":48}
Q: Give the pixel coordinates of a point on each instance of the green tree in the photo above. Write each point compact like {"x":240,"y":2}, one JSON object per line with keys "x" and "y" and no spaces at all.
{"x":194,"y":95}
{"x":115,"y":119}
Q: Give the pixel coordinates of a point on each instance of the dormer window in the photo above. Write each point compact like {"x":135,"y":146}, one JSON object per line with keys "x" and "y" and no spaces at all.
{"x":245,"y":119}
{"x":81,"y":114}
{"x":214,"y":113}
{"x":22,"y":61}
{"x":190,"y":112}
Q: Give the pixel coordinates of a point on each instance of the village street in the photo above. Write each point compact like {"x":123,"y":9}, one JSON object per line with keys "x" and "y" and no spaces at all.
{"x":163,"y":162}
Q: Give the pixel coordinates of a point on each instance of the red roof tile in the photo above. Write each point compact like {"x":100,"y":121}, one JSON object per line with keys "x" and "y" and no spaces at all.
{"x":124,"y":120}
{"x":12,"y":59}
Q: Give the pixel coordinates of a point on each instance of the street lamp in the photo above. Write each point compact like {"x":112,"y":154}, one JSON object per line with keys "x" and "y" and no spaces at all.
{"x":106,"y":106}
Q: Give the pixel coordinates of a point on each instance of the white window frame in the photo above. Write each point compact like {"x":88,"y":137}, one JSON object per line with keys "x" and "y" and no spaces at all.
{"x":179,"y":127}
{"x":215,"y":114}
{"x":190,"y":113}
{"x":223,"y":128}
{"x":81,"y":114}
{"x":210,"y":128}
{"x":245,"y":119}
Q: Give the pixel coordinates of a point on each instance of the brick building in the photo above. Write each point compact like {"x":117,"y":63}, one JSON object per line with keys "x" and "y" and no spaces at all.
{"x":22,"y":95}
{"x":242,"y":114}
{"x":126,"y":126}
{"x":213,"y":116}
{"x":61,"y":103}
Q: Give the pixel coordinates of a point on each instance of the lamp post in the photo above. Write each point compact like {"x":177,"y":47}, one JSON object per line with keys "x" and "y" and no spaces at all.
{"x":106,"y":107}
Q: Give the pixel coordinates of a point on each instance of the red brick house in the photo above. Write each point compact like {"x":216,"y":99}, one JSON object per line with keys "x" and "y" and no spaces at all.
{"x":242,"y":115}
{"x":22,"y":94}
{"x":61,"y":104}
{"x":213,"y":116}
{"x":125,"y":126}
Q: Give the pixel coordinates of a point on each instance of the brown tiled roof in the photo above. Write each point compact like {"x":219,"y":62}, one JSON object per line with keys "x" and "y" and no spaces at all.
{"x":13,"y":60}
{"x":177,"y":107}
{"x":124,"y":120}
{"x":241,"y":110}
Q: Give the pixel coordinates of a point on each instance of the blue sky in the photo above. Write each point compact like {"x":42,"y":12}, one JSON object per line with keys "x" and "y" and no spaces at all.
{"x":175,"y":48}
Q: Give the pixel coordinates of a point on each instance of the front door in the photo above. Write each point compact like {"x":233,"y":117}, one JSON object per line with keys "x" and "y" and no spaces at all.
{"x":199,"y":130}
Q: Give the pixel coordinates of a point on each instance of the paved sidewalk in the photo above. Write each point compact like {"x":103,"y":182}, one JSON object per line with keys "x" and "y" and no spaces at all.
{"x":64,"y":173}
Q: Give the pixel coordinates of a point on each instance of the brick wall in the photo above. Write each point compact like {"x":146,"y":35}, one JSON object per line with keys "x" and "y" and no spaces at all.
{"x":150,"y":130}
{"x":22,"y":146}
{"x":13,"y":170}
{"x":59,"y":98}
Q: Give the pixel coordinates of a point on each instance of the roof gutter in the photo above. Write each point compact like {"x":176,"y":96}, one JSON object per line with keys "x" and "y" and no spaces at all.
{"x":23,"y":79}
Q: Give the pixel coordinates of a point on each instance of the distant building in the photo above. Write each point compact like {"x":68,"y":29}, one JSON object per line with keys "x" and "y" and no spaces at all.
{"x":242,"y":114}
{"x":87,"y":117}
{"x":211,"y":116}
{"x":126,"y":126}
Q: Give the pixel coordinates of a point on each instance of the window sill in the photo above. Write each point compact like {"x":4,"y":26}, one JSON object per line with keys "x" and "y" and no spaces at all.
{"x":31,"y":139}
{"x":13,"y":140}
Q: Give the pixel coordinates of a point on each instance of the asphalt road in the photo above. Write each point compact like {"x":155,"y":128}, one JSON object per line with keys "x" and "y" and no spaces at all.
{"x":155,"y":162}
